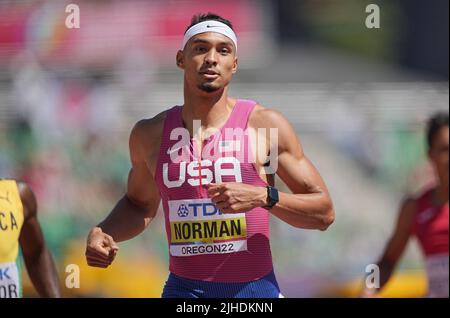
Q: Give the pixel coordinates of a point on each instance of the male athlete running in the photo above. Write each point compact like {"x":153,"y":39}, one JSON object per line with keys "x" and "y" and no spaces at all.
{"x":19,"y":226}
{"x":425,"y":217}
{"x":215,"y":194}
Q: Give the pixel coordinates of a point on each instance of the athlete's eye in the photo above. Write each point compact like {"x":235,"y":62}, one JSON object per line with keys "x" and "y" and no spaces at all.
{"x":200,"y":49}
{"x":224,"y":51}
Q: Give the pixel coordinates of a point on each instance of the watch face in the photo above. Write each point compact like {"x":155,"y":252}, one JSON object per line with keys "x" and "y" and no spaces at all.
{"x":273,"y":196}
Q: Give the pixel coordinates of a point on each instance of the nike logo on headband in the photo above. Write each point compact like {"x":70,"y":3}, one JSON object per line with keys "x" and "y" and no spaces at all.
{"x":205,"y":26}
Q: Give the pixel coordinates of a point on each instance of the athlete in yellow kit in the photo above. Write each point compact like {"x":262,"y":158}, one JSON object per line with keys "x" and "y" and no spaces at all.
{"x":19,"y":226}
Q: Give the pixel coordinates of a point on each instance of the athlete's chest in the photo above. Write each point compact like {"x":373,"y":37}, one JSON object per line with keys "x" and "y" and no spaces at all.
{"x":216,"y":159}
{"x":8,"y":221}
{"x":11,"y":220}
{"x":433,"y":220}
{"x":11,"y":214}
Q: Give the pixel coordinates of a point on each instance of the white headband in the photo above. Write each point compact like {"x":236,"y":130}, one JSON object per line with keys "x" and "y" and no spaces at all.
{"x":210,"y":26}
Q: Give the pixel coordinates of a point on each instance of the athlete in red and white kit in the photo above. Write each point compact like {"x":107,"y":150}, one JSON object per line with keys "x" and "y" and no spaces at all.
{"x":211,"y":179}
{"x":426,"y":218}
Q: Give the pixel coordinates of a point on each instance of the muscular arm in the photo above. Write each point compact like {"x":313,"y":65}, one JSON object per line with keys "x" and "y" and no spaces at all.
{"x":38,"y":260}
{"x":138,"y":206}
{"x":309,"y":205}
{"x":397,"y":243}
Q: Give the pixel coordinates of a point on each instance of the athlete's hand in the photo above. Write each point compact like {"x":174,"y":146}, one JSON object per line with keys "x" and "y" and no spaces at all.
{"x":236,"y":197}
{"x":100,"y":248}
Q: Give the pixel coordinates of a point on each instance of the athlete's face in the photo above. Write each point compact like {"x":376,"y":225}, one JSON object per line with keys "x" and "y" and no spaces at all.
{"x":209,"y":61}
{"x":438,"y":153}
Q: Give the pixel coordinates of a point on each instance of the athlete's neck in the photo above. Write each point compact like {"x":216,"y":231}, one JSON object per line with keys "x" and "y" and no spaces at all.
{"x":212,"y":109}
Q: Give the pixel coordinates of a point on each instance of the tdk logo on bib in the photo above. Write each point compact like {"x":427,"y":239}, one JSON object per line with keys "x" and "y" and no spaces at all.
{"x":4,"y":273}
{"x":197,"y":227}
{"x":198,"y":210}
{"x":183,"y":211}
{"x":9,"y":280}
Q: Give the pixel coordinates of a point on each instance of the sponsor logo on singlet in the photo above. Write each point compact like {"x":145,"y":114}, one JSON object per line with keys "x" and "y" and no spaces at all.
{"x":9,"y":281}
{"x":426,"y":215}
{"x":197,"y":227}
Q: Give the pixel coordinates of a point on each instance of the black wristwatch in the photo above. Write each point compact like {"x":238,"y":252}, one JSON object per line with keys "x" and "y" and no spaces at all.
{"x":272,"y":197}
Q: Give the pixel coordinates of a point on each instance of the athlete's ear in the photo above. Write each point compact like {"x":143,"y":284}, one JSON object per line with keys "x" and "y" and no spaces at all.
{"x":180,"y":59}
{"x":235,"y":65}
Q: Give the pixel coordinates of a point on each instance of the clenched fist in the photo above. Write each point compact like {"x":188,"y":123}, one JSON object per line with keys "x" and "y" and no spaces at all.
{"x":100,"y":248}
{"x":237,"y":197}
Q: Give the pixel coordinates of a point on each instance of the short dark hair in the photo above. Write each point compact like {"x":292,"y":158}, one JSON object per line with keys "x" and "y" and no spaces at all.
{"x":434,"y":124}
{"x":201,"y":17}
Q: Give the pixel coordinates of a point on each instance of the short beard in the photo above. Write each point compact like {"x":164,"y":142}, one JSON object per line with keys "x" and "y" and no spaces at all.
{"x":208,"y":88}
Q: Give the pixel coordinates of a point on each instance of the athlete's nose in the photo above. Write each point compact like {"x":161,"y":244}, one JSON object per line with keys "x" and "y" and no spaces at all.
{"x":211,"y":58}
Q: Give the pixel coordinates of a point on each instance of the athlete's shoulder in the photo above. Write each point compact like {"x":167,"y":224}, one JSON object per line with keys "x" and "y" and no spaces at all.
{"x":425,"y":194}
{"x":7,"y":185}
{"x":150,"y":124}
{"x":145,"y":137}
{"x":148,"y":129}
{"x":408,"y":206}
{"x":19,"y":185}
{"x":262,"y":116}
{"x":28,"y":199}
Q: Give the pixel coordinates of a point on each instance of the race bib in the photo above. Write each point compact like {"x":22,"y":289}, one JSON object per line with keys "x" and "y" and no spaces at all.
{"x":9,"y":281}
{"x":197,"y":227}
{"x":437,"y":271}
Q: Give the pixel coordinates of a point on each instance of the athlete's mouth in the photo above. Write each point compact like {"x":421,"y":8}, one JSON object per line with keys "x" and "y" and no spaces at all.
{"x":209,"y":72}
